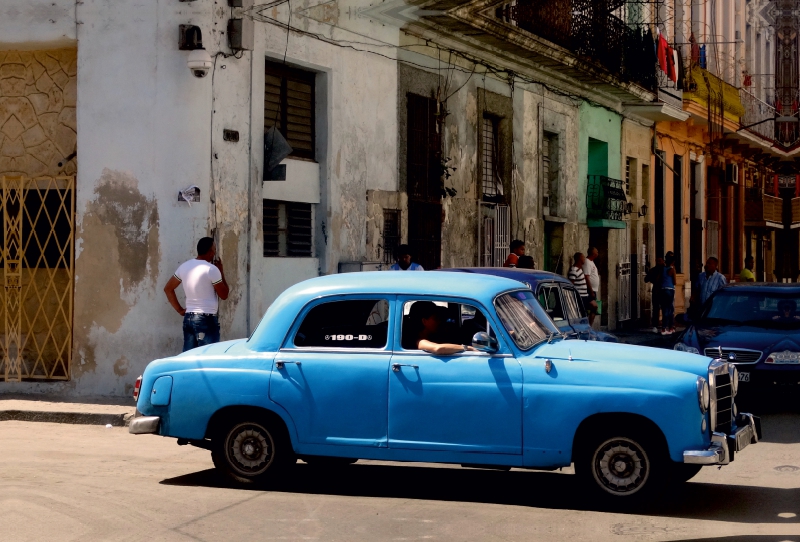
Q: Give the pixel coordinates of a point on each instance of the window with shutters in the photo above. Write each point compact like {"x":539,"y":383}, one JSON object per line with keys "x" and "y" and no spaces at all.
{"x":289,"y":104}
{"x":287,"y":228}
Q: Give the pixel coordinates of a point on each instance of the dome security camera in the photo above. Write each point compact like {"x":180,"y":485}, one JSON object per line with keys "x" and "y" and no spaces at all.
{"x":199,"y":62}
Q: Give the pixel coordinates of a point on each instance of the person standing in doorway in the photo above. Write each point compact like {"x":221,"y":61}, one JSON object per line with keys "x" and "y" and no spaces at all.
{"x":668,"y":294}
{"x":577,"y":278}
{"x":593,"y":281}
{"x":403,"y":260}
{"x":747,"y":274}
{"x":710,"y":281}
{"x":517,"y":249}
{"x":204,"y":284}
{"x":654,"y":276}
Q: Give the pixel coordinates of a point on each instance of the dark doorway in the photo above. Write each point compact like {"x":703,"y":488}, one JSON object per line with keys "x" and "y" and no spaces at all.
{"x":696,"y":224}
{"x":424,"y":182}
{"x":677,"y":211}
{"x":659,"y":204}
{"x":598,"y":238}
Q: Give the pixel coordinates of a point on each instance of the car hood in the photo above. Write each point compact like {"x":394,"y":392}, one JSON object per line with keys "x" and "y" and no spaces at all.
{"x":624,"y":354}
{"x":751,"y":337}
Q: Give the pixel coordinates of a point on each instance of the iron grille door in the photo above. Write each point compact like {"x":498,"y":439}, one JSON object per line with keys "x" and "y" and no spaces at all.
{"x":624,"y":285}
{"x":38,"y":277}
{"x":502,"y":236}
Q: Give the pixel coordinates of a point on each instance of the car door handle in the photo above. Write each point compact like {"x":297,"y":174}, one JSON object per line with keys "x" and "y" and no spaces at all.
{"x":396,"y":366}
{"x":280,"y":364}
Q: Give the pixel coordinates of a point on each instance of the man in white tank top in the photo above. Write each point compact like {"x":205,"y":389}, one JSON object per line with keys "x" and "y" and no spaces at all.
{"x":204,"y":284}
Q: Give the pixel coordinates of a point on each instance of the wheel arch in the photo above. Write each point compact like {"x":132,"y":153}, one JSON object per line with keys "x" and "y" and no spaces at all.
{"x":599,"y":423}
{"x":228,"y":414}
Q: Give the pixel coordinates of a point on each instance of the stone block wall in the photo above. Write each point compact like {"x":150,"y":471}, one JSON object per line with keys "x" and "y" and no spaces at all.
{"x":38,"y":95}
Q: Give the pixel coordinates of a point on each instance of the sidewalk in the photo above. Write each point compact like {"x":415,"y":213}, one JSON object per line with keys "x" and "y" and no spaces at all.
{"x":116,"y":411}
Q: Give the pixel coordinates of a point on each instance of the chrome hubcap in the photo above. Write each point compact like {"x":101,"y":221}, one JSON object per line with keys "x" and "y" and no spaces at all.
{"x":621,"y":466}
{"x":249,"y":449}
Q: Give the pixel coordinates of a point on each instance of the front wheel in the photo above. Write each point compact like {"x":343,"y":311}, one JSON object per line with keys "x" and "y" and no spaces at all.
{"x":252,"y":451}
{"x":621,"y":466}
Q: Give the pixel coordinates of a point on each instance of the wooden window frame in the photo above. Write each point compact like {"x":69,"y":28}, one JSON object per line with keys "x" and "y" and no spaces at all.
{"x":288,"y":74}
{"x":283,"y":232}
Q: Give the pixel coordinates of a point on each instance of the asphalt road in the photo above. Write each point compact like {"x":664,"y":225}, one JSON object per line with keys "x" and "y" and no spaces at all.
{"x":72,"y":482}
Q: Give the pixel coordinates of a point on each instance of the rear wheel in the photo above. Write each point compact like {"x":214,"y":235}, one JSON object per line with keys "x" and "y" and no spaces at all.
{"x":253,"y":450}
{"x":621,"y":465}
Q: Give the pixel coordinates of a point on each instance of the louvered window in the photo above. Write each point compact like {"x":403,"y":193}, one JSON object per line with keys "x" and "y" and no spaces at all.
{"x":287,"y":229}
{"x":289,"y":104}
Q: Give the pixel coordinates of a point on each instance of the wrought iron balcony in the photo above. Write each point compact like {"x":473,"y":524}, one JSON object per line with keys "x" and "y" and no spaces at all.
{"x":762,"y":210}
{"x":759,"y":117}
{"x":795,"y":212}
{"x":591,"y":29}
{"x":605,"y":198}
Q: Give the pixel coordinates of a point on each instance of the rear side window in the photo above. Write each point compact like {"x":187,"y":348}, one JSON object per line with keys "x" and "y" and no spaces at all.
{"x":550,"y":299}
{"x":573,"y":304}
{"x":356,"y":323}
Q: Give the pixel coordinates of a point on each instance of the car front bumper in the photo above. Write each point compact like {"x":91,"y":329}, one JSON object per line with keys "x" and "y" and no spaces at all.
{"x":144,"y":425}
{"x":724,"y":447}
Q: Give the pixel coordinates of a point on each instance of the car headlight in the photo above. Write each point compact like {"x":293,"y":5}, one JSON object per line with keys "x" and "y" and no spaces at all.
{"x":734,"y":372}
{"x":680,"y":347}
{"x":703,"y":394}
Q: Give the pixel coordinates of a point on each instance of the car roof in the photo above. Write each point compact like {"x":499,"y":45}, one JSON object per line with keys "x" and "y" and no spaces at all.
{"x":533,"y":276}
{"x":764,"y":287}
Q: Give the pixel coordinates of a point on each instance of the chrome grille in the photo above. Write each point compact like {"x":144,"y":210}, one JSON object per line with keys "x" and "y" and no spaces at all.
{"x":742,"y":355}
{"x":719,"y":380}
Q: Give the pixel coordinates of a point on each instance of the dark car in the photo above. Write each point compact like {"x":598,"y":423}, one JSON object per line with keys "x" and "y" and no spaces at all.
{"x":759,"y":325}
{"x":555,"y":294}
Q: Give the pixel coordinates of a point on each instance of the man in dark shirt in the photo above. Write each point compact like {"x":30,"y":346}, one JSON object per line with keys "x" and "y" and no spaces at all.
{"x":654,"y":276}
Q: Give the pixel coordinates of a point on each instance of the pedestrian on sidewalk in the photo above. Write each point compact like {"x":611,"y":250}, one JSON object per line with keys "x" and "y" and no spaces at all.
{"x":204,"y":284}
{"x":747,"y":274}
{"x":654,"y":276}
{"x":668,"y":279}
{"x":517,"y":249}
{"x":404,"y":260}
{"x":710,"y":281}
{"x":579,"y":280}
{"x":593,"y":278}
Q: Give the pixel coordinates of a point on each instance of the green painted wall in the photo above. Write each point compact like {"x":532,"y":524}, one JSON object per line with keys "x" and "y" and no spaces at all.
{"x":604,"y":126}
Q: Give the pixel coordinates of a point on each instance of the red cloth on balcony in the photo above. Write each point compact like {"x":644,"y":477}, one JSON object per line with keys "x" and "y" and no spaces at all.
{"x":671,"y":71}
{"x":661,"y":52}
{"x":695,"y":49}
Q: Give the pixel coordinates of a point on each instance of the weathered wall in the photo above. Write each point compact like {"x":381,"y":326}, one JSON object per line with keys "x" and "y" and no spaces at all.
{"x":38,"y":95}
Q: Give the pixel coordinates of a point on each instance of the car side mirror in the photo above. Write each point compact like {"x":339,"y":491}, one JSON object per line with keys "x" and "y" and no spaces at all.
{"x":483,"y":342}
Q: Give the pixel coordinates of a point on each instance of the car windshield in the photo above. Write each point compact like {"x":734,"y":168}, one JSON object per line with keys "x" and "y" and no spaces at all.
{"x":730,"y":307}
{"x":524,"y":319}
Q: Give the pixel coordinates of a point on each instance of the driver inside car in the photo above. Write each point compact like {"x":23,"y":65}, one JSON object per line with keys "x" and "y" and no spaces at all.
{"x":425,"y":321}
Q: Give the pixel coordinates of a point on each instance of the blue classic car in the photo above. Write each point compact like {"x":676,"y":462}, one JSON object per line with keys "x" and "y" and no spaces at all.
{"x":754,"y":325}
{"x":333,"y":374}
{"x":555,"y":294}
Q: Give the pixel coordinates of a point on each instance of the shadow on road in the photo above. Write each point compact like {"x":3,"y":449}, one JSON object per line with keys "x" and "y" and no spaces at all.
{"x":534,"y":489}
{"x":749,"y":538}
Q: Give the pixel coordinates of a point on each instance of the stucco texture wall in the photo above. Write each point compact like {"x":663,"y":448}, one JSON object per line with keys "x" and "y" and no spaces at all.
{"x":38,"y":96}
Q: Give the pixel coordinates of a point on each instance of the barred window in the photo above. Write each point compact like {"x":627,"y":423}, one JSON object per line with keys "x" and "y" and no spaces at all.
{"x":490,"y":180}
{"x":287,"y":229}
{"x":391,"y":233}
{"x":289,"y":104}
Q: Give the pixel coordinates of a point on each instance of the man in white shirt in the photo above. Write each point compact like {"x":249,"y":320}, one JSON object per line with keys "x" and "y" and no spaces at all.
{"x":593,"y":277}
{"x":204,"y":284}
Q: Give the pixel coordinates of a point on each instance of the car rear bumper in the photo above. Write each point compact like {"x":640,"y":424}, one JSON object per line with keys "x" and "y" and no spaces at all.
{"x":144,"y":425}
{"x":724,"y":447}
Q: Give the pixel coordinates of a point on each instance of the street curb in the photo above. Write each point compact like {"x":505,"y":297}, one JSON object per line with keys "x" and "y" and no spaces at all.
{"x":81,"y":418}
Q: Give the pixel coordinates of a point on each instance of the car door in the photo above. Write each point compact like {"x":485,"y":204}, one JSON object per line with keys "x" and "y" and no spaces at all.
{"x":331,"y":375}
{"x":549,"y":296}
{"x":468,"y":402}
{"x":575,"y":311}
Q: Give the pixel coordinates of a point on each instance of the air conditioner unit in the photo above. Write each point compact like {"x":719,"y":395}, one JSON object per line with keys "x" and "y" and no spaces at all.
{"x":732,"y":173}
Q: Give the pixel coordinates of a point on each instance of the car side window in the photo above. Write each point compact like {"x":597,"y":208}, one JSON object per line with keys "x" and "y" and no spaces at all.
{"x":575,"y":308}
{"x":456,"y":323}
{"x":352,"y":323}
{"x":550,"y":300}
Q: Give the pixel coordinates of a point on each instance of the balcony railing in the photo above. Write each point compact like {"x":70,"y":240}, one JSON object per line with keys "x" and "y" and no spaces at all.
{"x":764,"y":208}
{"x":605,"y":198}
{"x":756,"y":111}
{"x":592,"y":30}
{"x":795,"y":210}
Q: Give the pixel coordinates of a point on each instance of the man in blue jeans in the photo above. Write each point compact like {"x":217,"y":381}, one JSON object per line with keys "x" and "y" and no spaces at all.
{"x":204,"y":284}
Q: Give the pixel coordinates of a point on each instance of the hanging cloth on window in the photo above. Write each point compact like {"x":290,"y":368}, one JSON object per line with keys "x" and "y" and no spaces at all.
{"x":662,"y":53}
{"x":673,"y":74}
{"x":670,"y":58}
{"x":681,"y":82}
{"x":695,"y":49}
{"x":703,"y":56}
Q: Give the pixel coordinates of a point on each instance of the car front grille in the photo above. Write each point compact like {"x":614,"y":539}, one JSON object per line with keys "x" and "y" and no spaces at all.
{"x":724,"y":403}
{"x":742,"y":355}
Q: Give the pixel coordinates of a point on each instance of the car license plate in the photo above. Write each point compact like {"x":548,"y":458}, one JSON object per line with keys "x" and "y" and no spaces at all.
{"x":744,"y":377}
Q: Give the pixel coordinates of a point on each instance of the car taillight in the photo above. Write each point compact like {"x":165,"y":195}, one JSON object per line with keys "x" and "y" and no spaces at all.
{"x":136,"y":388}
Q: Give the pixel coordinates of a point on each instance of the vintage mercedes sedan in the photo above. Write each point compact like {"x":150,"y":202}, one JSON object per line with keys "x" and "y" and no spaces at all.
{"x":334,"y":373}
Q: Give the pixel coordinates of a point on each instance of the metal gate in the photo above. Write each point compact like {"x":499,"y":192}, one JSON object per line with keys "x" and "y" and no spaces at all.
{"x":37,"y":264}
{"x":496,"y":236}
{"x":624,"y":283}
